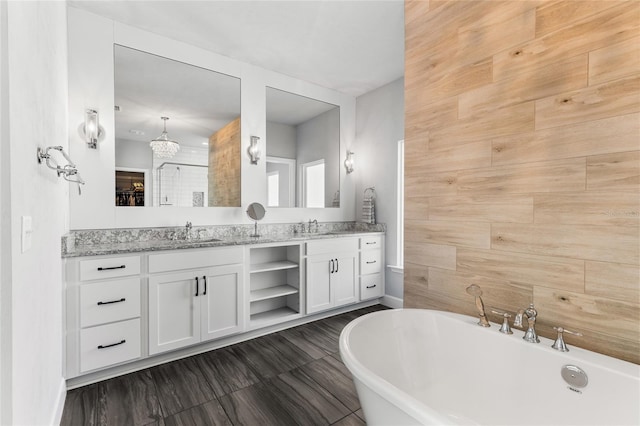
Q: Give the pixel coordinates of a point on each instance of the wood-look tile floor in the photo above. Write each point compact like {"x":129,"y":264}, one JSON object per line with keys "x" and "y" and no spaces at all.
{"x":293,"y":377}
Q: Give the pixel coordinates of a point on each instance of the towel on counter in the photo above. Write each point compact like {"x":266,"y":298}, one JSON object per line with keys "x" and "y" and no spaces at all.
{"x":369,"y":206}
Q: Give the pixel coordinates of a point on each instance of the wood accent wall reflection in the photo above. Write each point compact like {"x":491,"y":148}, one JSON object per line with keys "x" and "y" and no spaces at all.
{"x":224,"y":166}
{"x":522,"y":139}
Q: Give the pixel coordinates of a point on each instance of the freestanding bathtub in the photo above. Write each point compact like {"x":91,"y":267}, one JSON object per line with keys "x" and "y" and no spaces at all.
{"x":414,"y":366}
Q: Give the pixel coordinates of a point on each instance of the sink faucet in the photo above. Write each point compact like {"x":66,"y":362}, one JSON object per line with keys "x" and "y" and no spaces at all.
{"x":313,"y":221}
{"x":188,"y":227}
{"x":531,"y":314}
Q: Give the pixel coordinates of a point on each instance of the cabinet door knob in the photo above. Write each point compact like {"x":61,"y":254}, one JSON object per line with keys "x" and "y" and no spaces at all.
{"x":197,"y":286}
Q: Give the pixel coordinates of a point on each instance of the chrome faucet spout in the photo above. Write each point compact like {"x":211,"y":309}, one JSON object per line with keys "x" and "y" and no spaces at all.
{"x":531,"y":314}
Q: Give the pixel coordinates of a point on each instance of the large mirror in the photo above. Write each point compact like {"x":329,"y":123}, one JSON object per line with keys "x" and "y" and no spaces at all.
{"x":201,"y":110}
{"x":302,"y":151}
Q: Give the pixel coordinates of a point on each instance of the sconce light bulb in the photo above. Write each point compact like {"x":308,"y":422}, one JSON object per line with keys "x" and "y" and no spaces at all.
{"x":348,"y":162}
{"x":91,"y":128}
{"x":254,"y":151}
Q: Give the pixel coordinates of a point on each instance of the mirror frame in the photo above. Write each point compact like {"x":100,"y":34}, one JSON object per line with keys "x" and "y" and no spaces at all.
{"x":91,"y":39}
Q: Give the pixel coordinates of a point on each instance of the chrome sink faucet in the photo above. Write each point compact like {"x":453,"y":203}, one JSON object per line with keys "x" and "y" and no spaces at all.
{"x":531,"y":314}
{"x":188,"y":228}
{"x":312,"y":222}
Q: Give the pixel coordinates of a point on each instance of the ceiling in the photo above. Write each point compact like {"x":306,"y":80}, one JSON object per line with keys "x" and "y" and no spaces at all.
{"x":349,"y":46}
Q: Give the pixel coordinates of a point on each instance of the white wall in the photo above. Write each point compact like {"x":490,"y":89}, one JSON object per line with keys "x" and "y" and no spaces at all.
{"x":91,"y":40}
{"x":379,"y":127}
{"x":35,"y":56}
{"x":281,"y":140}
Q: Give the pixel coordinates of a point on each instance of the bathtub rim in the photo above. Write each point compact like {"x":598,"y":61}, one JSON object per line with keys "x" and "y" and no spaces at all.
{"x":425,"y":414}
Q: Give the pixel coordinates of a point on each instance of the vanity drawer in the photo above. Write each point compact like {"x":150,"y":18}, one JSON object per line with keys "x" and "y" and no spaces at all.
{"x":109,"y":301}
{"x":371,"y":242}
{"x":370,"y":286}
{"x":332,"y":245}
{"x":192,"y":259}
{"x":109,"y":267}
{"x":370,"y":261}
{"x":109,"y":344}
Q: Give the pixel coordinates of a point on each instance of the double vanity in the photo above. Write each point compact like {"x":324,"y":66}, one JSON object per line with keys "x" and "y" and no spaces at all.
{"x":133,"y":302}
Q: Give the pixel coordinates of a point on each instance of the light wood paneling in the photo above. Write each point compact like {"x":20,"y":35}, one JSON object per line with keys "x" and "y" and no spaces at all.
{"x":426,"y":254}
{"x":603,"y":243}
{"x":620,"y":171}
{"x":614,"y":62}
{"x":591,"y":312}
{"x":523,"y":269}
{"x":611,"y":26}
{"x":600,"y":208}
{"x":554,"y":16}
{"x":551,"y":176}
{"x":561,"y":188}
{"x":568,"y":74}
{"x":622,"y":134}
{"x":506,"y":121}
{"x":487,"y":208}
{"x":613,"y":280}
{"x":609,"y":99}
{"x":224,"y":166}
{"x":469,"y":234}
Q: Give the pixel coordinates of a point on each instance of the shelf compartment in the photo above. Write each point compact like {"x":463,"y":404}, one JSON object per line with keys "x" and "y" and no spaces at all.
{"x":272,"y":292}
{"x":273,"y":266}
{"x":276,"y":315}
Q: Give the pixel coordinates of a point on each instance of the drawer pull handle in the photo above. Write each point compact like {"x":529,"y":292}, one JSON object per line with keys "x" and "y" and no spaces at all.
{"x":111,"y":267}
{"x":111,"y":301}
{"x":197,"y":286}
{"x":113,"y":344}
{"x":204,"y":277}
{"x":368,"y":243}
{"x":369,"y":263}
{"x":372,"y":286}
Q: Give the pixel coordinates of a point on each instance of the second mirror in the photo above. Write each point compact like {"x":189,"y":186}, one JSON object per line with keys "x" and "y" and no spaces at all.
{"x":303,"y":151}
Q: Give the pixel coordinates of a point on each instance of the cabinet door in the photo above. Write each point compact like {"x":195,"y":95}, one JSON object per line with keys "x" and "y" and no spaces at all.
{"x":221,"y":302}
{"x":318,"y":283}
{"x":174,"y":310}
{"x":343,"y":280}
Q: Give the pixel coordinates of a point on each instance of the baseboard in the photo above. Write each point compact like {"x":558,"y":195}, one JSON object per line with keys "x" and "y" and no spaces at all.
{"x":392,"y":302}
{"x":59,"y":407}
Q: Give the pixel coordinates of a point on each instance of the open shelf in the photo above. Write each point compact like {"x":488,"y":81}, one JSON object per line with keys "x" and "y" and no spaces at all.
{"x":275,"y":315}
{"x":272,"y":292}
{"x":273,"y":266}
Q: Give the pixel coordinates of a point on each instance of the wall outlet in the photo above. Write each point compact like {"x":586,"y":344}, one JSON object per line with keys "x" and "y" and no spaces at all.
{"x":27,"y":231}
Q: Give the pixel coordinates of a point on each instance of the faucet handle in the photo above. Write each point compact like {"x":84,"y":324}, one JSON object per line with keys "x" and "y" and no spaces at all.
{"x":504,"y":328}
{"x":559,"y":344}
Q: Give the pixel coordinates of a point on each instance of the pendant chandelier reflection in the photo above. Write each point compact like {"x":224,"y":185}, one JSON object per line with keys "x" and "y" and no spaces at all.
{"x":162,"y":146}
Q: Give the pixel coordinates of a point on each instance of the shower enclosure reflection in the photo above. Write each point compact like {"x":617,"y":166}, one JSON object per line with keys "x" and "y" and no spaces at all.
{"x":181,"y":184}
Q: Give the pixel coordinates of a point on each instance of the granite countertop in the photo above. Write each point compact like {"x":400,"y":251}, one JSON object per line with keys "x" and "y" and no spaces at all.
{"x":107,"y":248}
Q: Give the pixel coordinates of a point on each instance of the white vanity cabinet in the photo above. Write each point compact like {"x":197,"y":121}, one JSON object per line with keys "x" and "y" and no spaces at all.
{"x":371,"y":261}
{"x":194,"y":296}
{"x":332,"y":269}
{"x":103,"y":312}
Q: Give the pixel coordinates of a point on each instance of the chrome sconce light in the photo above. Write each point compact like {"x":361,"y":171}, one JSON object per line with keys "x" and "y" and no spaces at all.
{"x":254,"y":150}
{"x":91,"y":129}
{"x":348,"y":162}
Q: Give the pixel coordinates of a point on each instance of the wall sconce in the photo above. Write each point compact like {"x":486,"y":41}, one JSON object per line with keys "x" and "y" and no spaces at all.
{"x":91,"y":129}
{"x":253,"y":150}
{"x":348,"y":162}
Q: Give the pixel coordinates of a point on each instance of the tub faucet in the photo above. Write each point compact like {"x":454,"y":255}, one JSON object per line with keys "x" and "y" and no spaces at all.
{"x":475,"y":291}
{"x":531,"y":314}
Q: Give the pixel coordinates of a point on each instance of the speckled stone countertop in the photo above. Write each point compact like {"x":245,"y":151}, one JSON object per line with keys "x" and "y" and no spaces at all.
{"x":99,"y":242}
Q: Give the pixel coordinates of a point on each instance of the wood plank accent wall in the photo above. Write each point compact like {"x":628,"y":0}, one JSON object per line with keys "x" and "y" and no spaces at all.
{"x":224,"y":166}
{"x":522,"y":164}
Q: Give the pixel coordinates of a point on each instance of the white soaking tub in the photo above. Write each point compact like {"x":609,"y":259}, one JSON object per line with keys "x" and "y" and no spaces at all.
{"x":414,"y":366}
